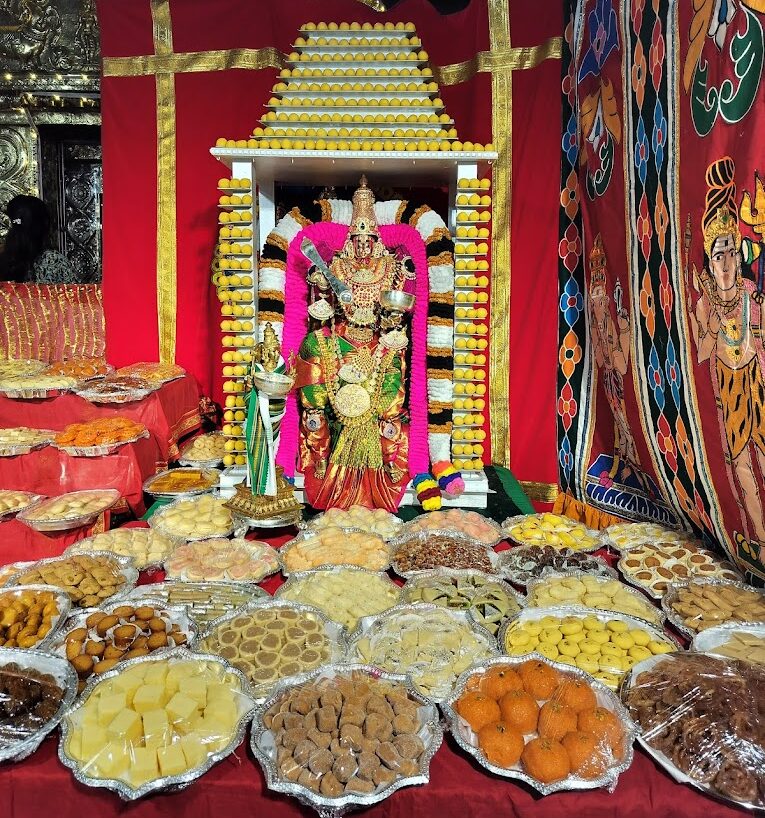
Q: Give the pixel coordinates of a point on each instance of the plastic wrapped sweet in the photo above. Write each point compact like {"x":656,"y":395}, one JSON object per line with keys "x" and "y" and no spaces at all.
{"x":527,"y":562}
{"x":143,"y":546}
{"x":488,"y":600}
{"x":116,"y":389}
{"x":23,"y":439}
{"x":87,"y":580}
{"x":433,"y":645}
{"x":271,"y":640}
{"x":600,"y":593}
{"x":30,"y":615}
{"x":155,"y":724}
{"x":110,"y":431}
{"x":35,"y":691}
{"x":469,"y":523}
{"x":185,"y":481}
{"x":153,"y":372}
{"x":542,"y":723}
{"x":96,"y":643}
{"x":197,"y":518}
{"x":627,"y":535}
{"x":425,"y":550}
{"x":376,"y":521}
{"x":705,"y":603}
{"x":604,"y":644}
{"x":345,"y":736}
{"x":74,"y":509}
{"x":703,"y":719}
{"x":219,"y":559}
{"x":344,"y":594}
{"x":335,"y":546}
{"x":205,"y":449}
{"x":204,"y":601}
{"x":21,"y":367}
{"x":11,"y":502}
{"x":653,"y":567}
{"x":551,"y":529}
{"x":35,"y":386}
{"x":734,"y":641}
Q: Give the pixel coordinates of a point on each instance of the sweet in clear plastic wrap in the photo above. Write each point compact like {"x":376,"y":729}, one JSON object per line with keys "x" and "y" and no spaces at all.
{"x":551,"y":529}
{"x":376,"y":521}
{"x":237,"y":560}
{"x":425,"y":550}
{"x":470,"y":523}
{"x":144,"y":546}
{"x":335,"y":546}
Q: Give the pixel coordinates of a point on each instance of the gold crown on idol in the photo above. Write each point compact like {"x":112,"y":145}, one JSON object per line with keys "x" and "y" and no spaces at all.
{"x":363,"y":220}
{"x":597,"y":264}
{"x":723,"y":224}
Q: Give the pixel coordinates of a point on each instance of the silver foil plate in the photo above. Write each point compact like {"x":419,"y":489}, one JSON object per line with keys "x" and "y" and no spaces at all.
{"x":334,"y":632}
{"x":25,"y":448}
{"x":62,"y":672}
{"x":306,"y":535}
{"x":372,"y":626}
{"x":510,"y":522}
{"x":98,"y":451}
{"x":171,"y":783}
{"x":465,"y":737}
{"x":63,"y":603}
{"x":124,"y":566}
{"x":412,"y":527}
{"x":207,"y":473}
{"x":31,"y":500}
{"x":157,"y":521}
{"x":316,"y":524}
{"x":161,"y":593}
{"x":300,"y":576}
{"x":423,"y":536}
{"x":712,"y":638}
{"x":663,"y":760}
{"x":111,"y":497}
{"x":518,"y":576}
{"x":672,"y":593}
{"x":547,"y":574}
{"x":670,"y":535}
{"x":85,"y":547}
{"x":263,"y":748}
{"x":250,"y":545}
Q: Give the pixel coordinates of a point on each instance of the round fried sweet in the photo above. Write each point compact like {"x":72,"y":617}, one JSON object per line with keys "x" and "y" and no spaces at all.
{"x":106,"y":623}
{"x":83,"y":664}
{"x":157,"y":640}
{"x":157,"y":624}
{"x":93,"y":648}
{"x":144,"y":612}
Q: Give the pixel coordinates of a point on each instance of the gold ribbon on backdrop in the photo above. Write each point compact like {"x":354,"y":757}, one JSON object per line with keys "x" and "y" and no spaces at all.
{"x":500,"y":61}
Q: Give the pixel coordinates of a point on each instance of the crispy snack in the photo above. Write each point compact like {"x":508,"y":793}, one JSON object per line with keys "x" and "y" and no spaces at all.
{"x":79,"y":368}
{"x":100,"y":432}
{"x":87,"y":580}
{"x":701,"y":605}
{"x":153,"y":372}
{"x":26,"y":617}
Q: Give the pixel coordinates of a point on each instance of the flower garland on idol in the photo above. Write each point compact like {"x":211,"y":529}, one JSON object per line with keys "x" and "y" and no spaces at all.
{"x":422,"y":235}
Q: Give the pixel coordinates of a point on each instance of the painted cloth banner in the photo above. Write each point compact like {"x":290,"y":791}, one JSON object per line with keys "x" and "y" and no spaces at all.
{"x":661,"y":382}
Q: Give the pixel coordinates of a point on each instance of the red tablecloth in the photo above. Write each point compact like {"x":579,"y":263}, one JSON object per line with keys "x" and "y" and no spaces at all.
{"x":20,"y":543}
{"x":169,"y":413}
{"x":50,"y":471}
{"x":458,"y":787}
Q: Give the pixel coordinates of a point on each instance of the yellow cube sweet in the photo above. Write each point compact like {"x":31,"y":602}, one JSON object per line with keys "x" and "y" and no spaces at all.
{"x":213,"y":735}
{"x":126,"y":726}
{"x":156,"y":728}
{"x":114,"y":760}
{"x":109,"y":706}
{"x":196,"y":689}
{"x":144,"y":767}
{"x":222,"y":713}
{"x":92,"y":741}
{"x":181,"y":708}
{"x":126,"y":683}
{"x":171,"y":760}
{"x":193,"y":749}
{"x":156,"y":672}
{"x":149,"y":697}
{"x":219,"y":690}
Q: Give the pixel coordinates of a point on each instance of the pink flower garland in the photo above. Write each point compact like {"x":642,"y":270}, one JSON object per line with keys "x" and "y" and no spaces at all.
{"x":329,"y":238}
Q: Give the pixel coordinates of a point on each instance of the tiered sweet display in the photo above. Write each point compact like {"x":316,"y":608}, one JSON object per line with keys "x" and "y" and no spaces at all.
{"x":471,"y":327}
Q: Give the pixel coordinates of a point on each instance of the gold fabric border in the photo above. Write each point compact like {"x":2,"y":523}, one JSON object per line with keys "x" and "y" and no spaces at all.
{"x":541,"y":492}
{"x":252,"y":59}
{"x":507,"y":59}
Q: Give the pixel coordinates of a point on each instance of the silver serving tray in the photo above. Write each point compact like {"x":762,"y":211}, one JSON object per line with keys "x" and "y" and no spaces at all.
{"x":664,"y":761}
{"x":512,"y":521}
{"x":423,"y":536}
{"x":412,"y":526}
{"x":465,"y":737}
{"x":185,"y":460}
{"x":86,"y":547}
{"x":210,"y":474}
{"x":304,"y":536}
{"x":672,"y":594}
{"x":98,"y":451}
{"x":63,"y":603}
{"x":706,"y":641}
{"x":159,"y":593}
{"x":62,"y":672}
{"x":519,"y":577}
{"x":155,"y":521}
{"x":249,"y":544}
{"x":25,"y":448}
{"x":111,"y":497}
{"x":547,"y":574}
{"x":301,"y":576}
{"x":31,"y":499}
{"x":171,"y":783}
{"x":316,"y":523}
{"x":264,"y":750}
{"x":424,"y":579}
{"x":125,"y":568}
{"x":659,"y":534}
{"x":370,"y":625}
{"x":335,"y":633}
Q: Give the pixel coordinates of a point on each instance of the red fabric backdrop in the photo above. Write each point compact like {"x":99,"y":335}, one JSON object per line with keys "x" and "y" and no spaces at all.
{"x":228,"y":103}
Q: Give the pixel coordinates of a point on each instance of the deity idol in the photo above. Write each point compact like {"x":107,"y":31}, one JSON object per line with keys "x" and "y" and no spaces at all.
{"x":351,"y":371}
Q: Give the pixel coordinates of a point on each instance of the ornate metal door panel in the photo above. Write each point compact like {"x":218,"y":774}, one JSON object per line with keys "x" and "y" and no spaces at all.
{"x":81,"y":228}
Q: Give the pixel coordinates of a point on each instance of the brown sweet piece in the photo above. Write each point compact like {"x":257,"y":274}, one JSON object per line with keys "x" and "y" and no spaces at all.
{"x":123,"y":612}
{"x":330,"y":786}
{"x":157,"y":640}
{"x":359,"y":785}
{"x":332,"y":698}
{"x":334,"y":746}
{"x":377,"y":704}
{"x":77,"y":635}
{"x":409,"y":746}
{"x":293,"y":720}
{"x":106,"y":623}
{"x":326,"y":719}
{"x":93,"y":648}
{"x":407,"y":767}
{"x":303,"y":751}
{"x":290,"y":769}
{"x":320,"y":762}
{"x":382,"y":776}
{"x":368,"y":765}
{"x":351,"y":736}
{"x":309,"y":720}
{"x":352,"y":714}
{"x":145,"y":612}
{"x":83,"y":664}
{"x":404,"y":723}
{"x":345,"y":767}
{"x":389,"y":755}
{"x":293,"y":737}
{"x":320,"y":739}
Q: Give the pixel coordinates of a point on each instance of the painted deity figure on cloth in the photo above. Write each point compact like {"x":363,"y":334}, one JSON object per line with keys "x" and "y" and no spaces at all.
{"x":611,"y":345}
{"x":726,"y":321}
{"x":351,"y":372}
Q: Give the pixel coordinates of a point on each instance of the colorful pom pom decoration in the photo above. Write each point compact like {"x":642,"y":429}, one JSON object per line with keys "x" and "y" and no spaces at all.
{"x":428,"y":491}
{"x":450,"y":481}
